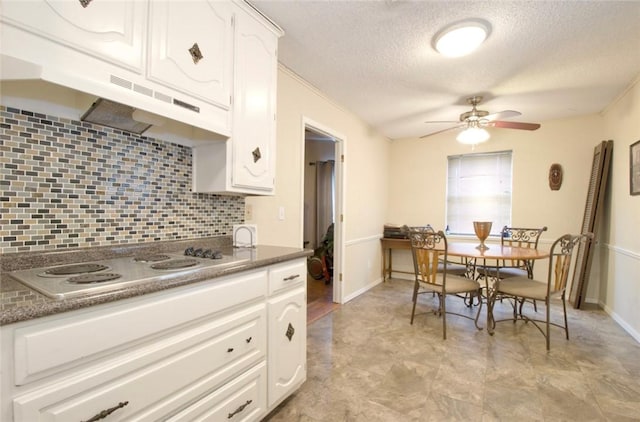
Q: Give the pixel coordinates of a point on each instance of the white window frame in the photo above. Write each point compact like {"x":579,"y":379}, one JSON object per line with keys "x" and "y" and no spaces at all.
{"x":479,"y":188}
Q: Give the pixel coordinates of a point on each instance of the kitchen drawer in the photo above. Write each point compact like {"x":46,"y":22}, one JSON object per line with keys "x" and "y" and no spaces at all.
{"x":156,"y":379}
{"x":43,"y":349}
{"x":287,"y":276}
{"x":243,"y":399}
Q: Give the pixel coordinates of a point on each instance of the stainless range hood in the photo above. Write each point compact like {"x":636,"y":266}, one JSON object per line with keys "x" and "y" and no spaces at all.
{"x":115,"y":115}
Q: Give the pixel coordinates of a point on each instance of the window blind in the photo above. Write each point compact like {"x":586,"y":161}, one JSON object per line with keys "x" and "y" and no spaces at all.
{"x":479,"y":189}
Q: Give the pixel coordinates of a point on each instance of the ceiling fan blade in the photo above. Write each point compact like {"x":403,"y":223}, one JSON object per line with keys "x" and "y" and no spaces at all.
{"x":443,"y":130}
{"x":442,"y":121}
{"x":505,"y":114}
{"x":514,"y":125}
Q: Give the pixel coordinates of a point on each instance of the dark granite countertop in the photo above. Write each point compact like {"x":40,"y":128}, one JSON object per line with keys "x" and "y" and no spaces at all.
{"x":20,"y":303}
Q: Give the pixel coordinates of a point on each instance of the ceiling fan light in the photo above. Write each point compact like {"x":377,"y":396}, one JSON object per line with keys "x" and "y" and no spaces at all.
{"x":473,"y":136}
{"x":461,"y":38}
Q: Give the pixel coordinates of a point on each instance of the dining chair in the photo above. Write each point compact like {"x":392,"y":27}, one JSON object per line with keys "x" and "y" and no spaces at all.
{"x":430,"y":261}
{"x":523,"y":237}
{"x":544,"y":291}
{"x":456,"y":266}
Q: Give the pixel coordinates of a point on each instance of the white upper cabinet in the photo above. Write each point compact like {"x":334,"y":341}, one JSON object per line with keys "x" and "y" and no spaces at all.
{"x":254,"y":110}
{"x":246,"y":163}
{"x":128,"y":51}
{"x":110,"y":31}
{"x":191,"y":48}
{"x":205,"y":63}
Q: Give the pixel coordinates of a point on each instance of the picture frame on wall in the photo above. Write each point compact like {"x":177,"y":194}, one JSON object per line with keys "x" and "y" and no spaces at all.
{"x":634,"y":168}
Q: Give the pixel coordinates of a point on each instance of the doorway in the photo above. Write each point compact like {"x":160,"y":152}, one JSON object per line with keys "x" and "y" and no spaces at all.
{"x":322,"y":229}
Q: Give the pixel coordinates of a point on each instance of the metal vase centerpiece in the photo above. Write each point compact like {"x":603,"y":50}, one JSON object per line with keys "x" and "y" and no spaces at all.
{"x":482,"y":229}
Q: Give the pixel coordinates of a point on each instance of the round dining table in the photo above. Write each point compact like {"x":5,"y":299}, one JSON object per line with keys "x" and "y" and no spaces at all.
{"x":495,"y":254}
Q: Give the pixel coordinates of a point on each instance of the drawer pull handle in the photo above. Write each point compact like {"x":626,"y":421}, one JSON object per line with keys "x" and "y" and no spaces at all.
{"x":239,"y":409}
{"x":107,"y":412}
{"x":291,"y":277}
{"x":249,"y":340}
{"x":230,"y":349}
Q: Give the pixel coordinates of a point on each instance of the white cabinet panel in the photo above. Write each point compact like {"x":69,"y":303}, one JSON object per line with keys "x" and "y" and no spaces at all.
{"x":287,"y":353}
{"x":254,"y":105}
{"x":191,"y":48}
{"x":111,"y":31}
{"x":246,"y":162}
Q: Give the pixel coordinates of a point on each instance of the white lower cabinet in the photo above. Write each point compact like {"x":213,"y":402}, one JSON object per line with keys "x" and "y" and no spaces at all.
{"x":287,"y":344}
{"x":217,"y":350}
{"x":287,"y":309}
{"x":158,"y":378}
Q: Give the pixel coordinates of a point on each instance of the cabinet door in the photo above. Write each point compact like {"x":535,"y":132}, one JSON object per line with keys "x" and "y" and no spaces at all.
{"x":191,"y":48}
{"x":287,"y":353}
{"x":254,"y":105}
{"x":112,"y":31}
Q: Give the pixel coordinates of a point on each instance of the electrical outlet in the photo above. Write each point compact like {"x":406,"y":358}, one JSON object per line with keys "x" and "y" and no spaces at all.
{"x":281,"y":213}
{"x":248,"y":212}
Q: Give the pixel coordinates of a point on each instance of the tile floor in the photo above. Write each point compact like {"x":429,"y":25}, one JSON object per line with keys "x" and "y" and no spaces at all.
{"x":366,"y":363}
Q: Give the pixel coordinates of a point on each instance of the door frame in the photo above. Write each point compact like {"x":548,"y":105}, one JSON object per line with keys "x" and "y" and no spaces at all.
{"x":339,"y":226}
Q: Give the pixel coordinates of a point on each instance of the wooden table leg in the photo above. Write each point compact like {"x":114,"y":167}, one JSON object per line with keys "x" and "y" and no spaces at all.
{"x":384,"y":264}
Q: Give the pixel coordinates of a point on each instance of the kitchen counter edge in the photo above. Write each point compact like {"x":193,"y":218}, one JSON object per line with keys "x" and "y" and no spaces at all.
{"x":21,"y":303}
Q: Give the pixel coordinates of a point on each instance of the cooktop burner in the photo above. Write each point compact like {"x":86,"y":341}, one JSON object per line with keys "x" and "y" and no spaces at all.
{"x":151,"y":258}
{"x":107,"y":275}
{"x":75,"y":269}
{"x":93,"y":278}
{"x":175,"y":264}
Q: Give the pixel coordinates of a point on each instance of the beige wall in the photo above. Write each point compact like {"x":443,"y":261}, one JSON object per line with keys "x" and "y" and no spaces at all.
{"x":619,"y":260}
{"x":419,"y":170}
{"x":365,"y":180}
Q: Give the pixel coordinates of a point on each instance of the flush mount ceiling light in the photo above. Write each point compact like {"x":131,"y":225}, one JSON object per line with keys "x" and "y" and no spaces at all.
{"x":461,"y":38}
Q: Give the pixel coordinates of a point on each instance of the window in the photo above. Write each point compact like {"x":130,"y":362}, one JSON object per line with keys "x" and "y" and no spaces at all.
{"x":479,"y":189}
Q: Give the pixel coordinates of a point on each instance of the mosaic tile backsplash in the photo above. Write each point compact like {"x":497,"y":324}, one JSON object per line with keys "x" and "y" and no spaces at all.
{"x":71,"y":184}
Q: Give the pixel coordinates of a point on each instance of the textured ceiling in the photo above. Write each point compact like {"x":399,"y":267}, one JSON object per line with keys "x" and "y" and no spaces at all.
{"x":545,"y":59}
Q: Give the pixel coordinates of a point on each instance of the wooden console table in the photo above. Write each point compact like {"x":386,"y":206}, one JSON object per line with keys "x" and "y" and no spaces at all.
{"x":387,"y":264}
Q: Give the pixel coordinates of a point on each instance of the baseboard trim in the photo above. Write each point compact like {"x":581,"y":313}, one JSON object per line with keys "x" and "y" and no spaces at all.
{"x":361,"y":290}
{"x":621,"y":322}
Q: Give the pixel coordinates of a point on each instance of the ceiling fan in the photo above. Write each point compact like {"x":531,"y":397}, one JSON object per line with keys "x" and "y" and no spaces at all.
{"x":477,"y":119}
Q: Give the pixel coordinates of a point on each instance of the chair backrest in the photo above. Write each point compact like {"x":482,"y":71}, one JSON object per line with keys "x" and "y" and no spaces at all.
{"x":560,"y":261}
{"x":522,"y":237}
{"x":428,"y":248}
